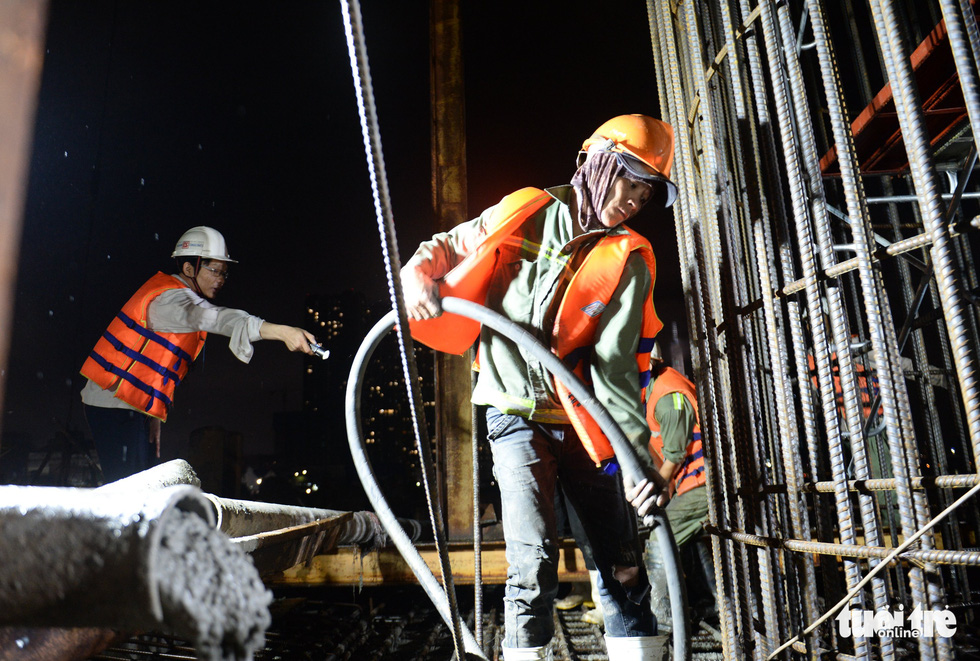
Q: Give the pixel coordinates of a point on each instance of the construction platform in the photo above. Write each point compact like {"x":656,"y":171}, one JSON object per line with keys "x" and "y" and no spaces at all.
{"x":398,"y":623}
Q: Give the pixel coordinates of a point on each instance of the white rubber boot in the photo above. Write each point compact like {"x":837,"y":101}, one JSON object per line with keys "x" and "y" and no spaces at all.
{"x":638,"y":648}
{"x":526,"y":653}
{"x":594,"y":615}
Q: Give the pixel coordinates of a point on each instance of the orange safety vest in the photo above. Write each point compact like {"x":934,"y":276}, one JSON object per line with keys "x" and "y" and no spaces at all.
{"x":142,"y":366}
{"x":867,"y":388}
{"x":470,"y":279}
{"x":691,"y":473}
{"x":587,"y":295}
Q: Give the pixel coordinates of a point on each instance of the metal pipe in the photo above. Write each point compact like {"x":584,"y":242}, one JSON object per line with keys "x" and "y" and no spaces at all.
{"x":167,"y":474}
{"x":891,"y":199}
{"x":55,"y":539}
{"x":243,"y":518}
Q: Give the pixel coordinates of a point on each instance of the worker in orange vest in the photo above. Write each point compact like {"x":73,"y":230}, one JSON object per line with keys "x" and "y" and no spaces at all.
{"x":145,"y":352}
{"x":672,"y":413}
{"x":562,"y":265}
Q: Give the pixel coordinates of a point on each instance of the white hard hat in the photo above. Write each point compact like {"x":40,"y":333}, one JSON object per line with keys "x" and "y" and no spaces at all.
{"x":204,"y":242}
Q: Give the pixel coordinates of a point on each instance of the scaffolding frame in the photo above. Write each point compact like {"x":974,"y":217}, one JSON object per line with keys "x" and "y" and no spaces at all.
{"x":832,"y":316}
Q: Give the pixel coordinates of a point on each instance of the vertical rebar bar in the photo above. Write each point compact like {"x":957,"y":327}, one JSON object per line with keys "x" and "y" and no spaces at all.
{"x":948,"y":278}
{"x":782,"y":79}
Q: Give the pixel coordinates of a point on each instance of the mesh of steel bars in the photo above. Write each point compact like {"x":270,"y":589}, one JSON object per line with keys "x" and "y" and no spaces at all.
{"x":833,"y":318}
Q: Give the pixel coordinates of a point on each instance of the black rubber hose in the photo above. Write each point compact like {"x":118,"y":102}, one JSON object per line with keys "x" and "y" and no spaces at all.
{"x":362,"y":463}
{"x":624,"y":453}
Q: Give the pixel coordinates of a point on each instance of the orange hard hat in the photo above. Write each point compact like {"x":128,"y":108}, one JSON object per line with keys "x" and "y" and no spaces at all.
{"x":643,"y":145}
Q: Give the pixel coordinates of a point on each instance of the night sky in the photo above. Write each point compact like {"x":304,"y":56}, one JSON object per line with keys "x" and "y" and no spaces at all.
{"x":155,"y":117}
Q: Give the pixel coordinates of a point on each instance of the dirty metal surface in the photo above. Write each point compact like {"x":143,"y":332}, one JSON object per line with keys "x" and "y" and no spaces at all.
{"x":385,"y":623}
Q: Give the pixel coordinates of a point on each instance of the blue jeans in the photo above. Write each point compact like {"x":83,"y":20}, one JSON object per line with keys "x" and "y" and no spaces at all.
{"x":528,"y":459}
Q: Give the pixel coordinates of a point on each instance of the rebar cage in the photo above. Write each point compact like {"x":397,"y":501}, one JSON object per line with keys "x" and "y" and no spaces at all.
{"x":827,"y":267}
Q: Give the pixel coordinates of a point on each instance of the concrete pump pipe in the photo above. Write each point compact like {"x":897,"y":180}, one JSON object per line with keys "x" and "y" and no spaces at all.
{"x":130,"y":560}
{"x":242,"y":518}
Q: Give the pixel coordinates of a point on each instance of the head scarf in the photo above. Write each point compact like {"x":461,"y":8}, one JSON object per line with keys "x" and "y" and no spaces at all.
{"x":592,"y":182}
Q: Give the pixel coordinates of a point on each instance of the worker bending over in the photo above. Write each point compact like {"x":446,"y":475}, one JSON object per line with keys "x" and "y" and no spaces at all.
{"x":561,"y":264}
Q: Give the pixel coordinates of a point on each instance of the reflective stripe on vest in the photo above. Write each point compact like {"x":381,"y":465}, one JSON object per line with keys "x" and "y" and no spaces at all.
{"x":140,"y":366}
{"x":691,"y":472}
{"x":588,"y":294}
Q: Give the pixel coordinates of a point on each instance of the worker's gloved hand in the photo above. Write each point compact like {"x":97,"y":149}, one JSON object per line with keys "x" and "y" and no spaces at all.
{"x":643,"y":495}
{"x":421,"y":294}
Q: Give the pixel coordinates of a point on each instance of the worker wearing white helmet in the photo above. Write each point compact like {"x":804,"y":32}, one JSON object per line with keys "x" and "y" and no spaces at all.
{"x":147,"y":349}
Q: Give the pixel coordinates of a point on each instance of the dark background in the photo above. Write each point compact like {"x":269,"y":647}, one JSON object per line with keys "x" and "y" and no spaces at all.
{"x":155,"y":117}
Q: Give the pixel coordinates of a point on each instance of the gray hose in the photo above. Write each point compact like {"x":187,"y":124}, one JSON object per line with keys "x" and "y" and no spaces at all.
{"x":362,"y":463}
{"x":625,"y":453}
{"x":623,"y":449}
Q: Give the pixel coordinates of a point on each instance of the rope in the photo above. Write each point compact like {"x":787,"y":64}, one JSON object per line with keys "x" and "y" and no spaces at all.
{"x":354,"y":30}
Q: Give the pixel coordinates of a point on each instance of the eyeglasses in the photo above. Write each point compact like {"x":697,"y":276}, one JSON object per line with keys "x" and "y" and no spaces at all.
{"x":218,"y":274}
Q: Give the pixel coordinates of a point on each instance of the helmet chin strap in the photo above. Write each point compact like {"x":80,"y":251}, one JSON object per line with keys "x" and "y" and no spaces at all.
{"x":194,"y":285}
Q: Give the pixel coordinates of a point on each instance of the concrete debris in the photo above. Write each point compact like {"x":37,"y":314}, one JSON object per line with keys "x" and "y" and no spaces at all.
{"x":152,"y":560}
{"x":210,"y":591}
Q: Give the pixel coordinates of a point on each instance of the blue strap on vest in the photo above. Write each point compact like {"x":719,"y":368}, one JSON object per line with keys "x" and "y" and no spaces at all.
{"x":645,"y":376}
{"x":645,"y":345}
{"x":153,"y":337}
{"x":684,"y":475}
{"x":152,"y":392}
{"x":168,"y":375}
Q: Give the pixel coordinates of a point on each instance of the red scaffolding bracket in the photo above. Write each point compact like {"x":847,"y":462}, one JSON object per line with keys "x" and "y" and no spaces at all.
{"x":877,"y":134}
